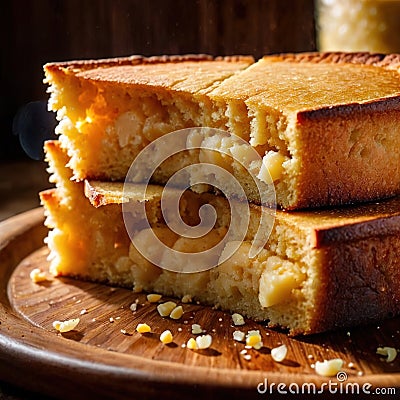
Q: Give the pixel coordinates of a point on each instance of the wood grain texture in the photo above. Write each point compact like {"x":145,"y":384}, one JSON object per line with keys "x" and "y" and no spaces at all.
{"x":97,"y":359}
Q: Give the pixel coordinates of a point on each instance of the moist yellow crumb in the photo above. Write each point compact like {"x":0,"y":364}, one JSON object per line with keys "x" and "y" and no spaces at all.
{"x":143,"y":328}
{"x":238,"y":336}
{"x":165,"y":309}
{"x":186,"y":298}
{"x":253,"y":339}
{"x":279,"y":353}
{"x":237,"y":319}
{"x":153,"y":298}
{"x":37,"y":275}
{"x":137,"y":289}
{"x":191,"y":344}
{"x":176,"y":313}
{"x":389,"y":352}
{"x":329,"y":367}
{"x":66,"y":326}
{"x":203,"y":342}
{"x":196,"y":329}
{"x":166,"y":337}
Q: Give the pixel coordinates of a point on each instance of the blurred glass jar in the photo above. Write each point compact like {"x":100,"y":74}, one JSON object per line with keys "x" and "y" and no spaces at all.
{"x":358,"y":25}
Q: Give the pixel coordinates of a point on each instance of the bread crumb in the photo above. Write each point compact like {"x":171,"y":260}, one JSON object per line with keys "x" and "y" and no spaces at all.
{"x":111,"y":319}
{"x":203,"y":342}
{"x":253,"y":339}
{"x":165,"y":309}
{"x":137,"y":289}
{"x":389,"y":352}
{"x":196,"y":329}
{"x":237,"y":319}
{"x":176,"y":313}
{"x":153,"y":298}
{"x":247,"y":357}
{"x":278,"y":354}
{"x":186,"y":299}
{"x":329,"y":367}
{"x":37,"y":276}
{"x":191,"y":344}
{"x":84,"y":311}
{"x":133,"y":307}
{"x":143,"y":328}
{"x":66,"y":326}
{"x":166,"y":337}
{"x":238,"y":336}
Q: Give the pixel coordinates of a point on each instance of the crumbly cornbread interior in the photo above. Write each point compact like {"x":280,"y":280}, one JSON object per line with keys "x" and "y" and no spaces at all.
{"x":91,"y":243}
{"x":299,"y":280}
{"x":109,"y":113}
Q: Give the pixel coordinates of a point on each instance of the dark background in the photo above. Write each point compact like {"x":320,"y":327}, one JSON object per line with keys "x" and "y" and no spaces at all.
{"x":36,"y":32}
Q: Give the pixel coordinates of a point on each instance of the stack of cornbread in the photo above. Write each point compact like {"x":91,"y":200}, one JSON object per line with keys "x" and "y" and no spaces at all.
{"x":326,"y":128}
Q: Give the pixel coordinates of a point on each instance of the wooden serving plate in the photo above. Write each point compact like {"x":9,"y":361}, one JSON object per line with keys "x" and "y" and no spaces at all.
{"x":97,"y":360}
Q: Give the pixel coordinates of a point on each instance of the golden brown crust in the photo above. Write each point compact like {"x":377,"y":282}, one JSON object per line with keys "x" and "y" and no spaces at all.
{"x":381,"y":60}
{"x":337,"y":172}
{"x":48,"y":196}
{"x":84,"y":65}
{"x":359,"y":283}
{"x":359,"y":160}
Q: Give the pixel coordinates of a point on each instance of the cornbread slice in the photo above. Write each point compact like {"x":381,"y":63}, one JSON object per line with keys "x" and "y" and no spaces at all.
{"x":327,"y":126}
{"x":318,"y":271}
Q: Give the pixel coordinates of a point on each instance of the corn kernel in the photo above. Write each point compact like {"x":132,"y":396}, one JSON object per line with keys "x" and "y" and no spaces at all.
{"x":165,"y":309}
{"x":196,"y":329}
{"x":389,"y":352}
{"x":203,"y":342}
{"x":143,"y":328}
{"x":191,"y":344}
{"x":253,"y":339}
{"x":238,"y":336}
{"x":37,"y":275}
{"x":278,"y":354}
{"x":66,"y":326}
{"x":153,"y":298}
{"x":328,"y":367}
{"x":166,"y":337}
{"x":176,"y":313}
{"x":237,"y":319}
